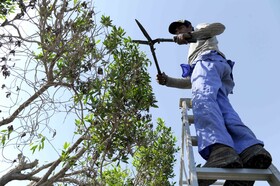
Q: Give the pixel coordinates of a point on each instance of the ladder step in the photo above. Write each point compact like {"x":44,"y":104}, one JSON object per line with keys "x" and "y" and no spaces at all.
{"x":216,"y":183}
{"x":188,"y":102}
{"x":271,"y":175}
{"x":233,"y":174}
{"x":191,"y":119}
{"x":194,"y":140}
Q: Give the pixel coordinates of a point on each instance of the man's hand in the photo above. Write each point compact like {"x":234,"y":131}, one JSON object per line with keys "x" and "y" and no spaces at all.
{"x":182,"y":38}
{"x":162,"y":78}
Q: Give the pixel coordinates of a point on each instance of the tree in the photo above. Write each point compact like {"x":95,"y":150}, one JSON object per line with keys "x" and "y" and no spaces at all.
{"x":57,"y":59}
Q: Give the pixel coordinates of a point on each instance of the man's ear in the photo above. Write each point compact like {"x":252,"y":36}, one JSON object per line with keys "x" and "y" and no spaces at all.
{"x":192,"y":27}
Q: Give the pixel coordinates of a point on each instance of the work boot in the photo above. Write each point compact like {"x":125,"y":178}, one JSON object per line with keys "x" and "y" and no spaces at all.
{"x":221,"y":156}
{"x":256,"y":157}
{"x":252,"y":157}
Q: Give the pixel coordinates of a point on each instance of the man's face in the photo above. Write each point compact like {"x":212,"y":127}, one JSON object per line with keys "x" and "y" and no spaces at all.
{"x":183,"y":29}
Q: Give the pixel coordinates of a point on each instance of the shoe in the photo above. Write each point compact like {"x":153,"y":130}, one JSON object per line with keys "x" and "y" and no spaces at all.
{"x":252,"y":157}
{"x":221,"y":156}
{"x":256,"y":157}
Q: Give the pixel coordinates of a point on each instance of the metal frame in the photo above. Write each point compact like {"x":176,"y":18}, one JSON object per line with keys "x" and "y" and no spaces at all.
{"x":187,"y":141}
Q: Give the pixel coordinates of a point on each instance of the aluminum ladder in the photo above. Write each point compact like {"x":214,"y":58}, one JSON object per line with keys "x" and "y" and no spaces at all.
{"x":190,"y":174}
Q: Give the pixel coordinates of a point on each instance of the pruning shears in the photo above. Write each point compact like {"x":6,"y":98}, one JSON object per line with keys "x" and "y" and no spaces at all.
{"x":151,"y":43}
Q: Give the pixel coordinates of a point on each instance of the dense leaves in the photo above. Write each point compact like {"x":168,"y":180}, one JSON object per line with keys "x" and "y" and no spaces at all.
{"x":155,"y":163}
{"x":6,"y":7}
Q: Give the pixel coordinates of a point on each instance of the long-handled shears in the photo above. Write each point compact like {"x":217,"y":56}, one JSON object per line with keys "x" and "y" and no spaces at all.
{"x":151,"y":43}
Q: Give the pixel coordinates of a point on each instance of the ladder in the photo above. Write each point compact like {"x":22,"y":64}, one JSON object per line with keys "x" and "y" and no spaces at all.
{"x":190,"y":178}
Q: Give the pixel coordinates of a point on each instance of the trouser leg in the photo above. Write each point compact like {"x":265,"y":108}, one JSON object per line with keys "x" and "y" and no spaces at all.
{"x":209,"y":121}
{"x":215,"y":119}
{"x":241,"y":135}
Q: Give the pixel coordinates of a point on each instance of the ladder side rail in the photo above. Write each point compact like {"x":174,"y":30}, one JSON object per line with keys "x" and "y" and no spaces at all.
{"x":275,"y":177}
{"x":182,"y":163}
{"x":189,"y":148}
{"x":183,"y":171}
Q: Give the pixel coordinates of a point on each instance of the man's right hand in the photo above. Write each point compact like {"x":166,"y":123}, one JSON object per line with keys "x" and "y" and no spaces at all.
{"x":182,"y":38}
{"x":162,"y":78}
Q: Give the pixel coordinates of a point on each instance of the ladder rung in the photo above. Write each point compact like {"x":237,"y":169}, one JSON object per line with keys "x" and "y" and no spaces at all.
{"x":190,"y":119}
{"x":233,"y":174}
{"x":216,"y":183}
{"x":188,"y":102}
{"x":194,"y":140}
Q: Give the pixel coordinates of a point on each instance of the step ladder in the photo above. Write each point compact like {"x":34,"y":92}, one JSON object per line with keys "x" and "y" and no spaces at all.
{"x":190,"y":174}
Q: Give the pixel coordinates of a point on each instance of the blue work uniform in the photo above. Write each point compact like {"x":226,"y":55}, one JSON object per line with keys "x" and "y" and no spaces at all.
{"x":215,"y":119}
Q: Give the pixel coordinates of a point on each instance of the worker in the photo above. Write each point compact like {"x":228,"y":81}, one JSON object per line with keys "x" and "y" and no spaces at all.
{"x":224,"y":141}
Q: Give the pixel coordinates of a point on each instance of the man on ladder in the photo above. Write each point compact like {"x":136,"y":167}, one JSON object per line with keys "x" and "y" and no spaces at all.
{"x":223,"y":140}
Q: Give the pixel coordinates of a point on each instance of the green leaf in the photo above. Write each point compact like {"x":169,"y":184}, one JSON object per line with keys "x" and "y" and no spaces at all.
{"x":66,"y":145}
{"x":106,"y":21}
{"x":33,"y":148}
{"x":3,"y":140}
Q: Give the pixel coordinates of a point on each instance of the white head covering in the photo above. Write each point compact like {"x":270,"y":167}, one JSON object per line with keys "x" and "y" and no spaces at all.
{"x":201,"y":25}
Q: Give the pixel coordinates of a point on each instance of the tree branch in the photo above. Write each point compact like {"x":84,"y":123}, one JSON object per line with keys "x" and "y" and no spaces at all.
{"x":25,"y":104}
{"x":67,"y":166}
{"x":15,"y":173}
{"x":57,"y":162}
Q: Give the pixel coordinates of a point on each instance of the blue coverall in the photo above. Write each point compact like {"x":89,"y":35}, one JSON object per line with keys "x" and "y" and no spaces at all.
{"x":215,"y":119}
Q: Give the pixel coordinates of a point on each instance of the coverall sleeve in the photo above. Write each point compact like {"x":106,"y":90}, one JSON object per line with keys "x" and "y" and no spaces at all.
{"x":208,"y":31}
{"x":183,"y":83}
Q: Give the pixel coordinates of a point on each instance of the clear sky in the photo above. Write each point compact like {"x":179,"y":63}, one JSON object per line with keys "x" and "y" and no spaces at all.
{"x":251,"y":39}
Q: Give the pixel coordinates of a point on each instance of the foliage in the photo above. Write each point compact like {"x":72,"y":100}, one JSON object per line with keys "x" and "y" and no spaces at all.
{"x":155,"y":163}
{"x":115,"y":176}
{"x":69,"y":64}
{"x":6,"y":7}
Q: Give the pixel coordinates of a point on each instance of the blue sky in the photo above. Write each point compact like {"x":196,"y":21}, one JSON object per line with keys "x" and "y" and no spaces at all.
{"x":251,"y":39}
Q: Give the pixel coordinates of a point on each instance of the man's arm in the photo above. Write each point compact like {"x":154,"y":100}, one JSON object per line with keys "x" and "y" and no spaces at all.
{"x":183,"y":83}
{"x":205,"y":32}
{"x":208,"y":31}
